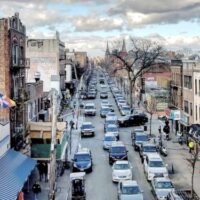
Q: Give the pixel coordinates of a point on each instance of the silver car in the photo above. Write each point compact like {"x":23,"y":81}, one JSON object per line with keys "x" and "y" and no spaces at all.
{"x":129,"y":190}
{"x":108,"y":139}
{"x":161,"y":187}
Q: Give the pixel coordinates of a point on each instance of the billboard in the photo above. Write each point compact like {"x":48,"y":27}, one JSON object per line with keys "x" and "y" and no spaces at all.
{"x":68,"y":69}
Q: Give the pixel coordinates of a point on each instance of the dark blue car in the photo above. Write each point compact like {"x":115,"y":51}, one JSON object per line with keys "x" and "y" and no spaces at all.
{"x":117,"y":151}
{"x":82,"y":161}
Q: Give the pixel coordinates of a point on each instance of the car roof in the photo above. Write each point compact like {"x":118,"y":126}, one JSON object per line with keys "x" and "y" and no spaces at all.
{"x":154,"y":156}
{"x":109,"y":134}
{"x":129,"y":183}
{"x":85,"y":123}
{"x":110,"y":118}
{"x":104,"y":106}
{"x":162,"y":179}
{"x":117,"y":143}
{"x":88,"y":104}
{"x":122,"y":162}
{"x":140,"y":133}
{"x":112,"y":126}
{"x":82,"y":151}
{"x":149,"y":144}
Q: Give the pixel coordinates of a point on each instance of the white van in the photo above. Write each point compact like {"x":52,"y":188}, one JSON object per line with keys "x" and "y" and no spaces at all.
{"x":90,"y":109}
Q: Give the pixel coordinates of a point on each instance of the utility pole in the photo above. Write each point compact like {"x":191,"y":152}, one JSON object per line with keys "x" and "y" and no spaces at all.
{"x":52,"y":178}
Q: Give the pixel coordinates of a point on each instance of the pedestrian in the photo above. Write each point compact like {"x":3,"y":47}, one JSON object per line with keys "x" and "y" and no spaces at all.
{"x":159,"y":130}
{"x":73,"y":113}
{"x":40,"y":167}
{"x":138,"y":103}
{"x":71,"y":124}
{"x":191,"y":146}
{"x":46,"y":171}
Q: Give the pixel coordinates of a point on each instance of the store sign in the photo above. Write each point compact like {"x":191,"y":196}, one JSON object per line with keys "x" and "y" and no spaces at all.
{"x":175,"y":115}
{"x":184,"y":119}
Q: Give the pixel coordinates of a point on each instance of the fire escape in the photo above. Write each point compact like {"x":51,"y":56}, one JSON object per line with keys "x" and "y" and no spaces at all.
{"x":20,"y":96}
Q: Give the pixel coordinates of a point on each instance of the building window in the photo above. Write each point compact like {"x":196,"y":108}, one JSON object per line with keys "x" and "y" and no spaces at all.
{"x":195,"y":86}
{"x":196,"y":112}
{"x":191,"y":109}
{"x":199,"y":113}
{"x":199,"y":87}
{"x":188,"y":82}
{"x":186,"y":105}
{"x":15,"y":54}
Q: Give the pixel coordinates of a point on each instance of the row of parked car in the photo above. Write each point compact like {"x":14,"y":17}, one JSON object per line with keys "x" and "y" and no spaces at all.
{"x":154,"y":167}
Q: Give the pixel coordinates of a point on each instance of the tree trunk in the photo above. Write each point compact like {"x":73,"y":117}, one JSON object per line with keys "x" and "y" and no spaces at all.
{"x":192,"y":184}
{"x":151,"y":114}
{"x":130,"y":90}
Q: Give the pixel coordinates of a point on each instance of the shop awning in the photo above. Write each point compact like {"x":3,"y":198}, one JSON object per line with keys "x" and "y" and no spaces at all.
{"x":15,"y":168}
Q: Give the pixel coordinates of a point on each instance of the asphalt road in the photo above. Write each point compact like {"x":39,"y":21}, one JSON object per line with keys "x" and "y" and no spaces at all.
{"x":99,"y":185}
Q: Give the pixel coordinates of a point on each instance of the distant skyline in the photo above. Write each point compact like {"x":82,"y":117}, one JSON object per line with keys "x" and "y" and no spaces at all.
{"x":86,"y":25}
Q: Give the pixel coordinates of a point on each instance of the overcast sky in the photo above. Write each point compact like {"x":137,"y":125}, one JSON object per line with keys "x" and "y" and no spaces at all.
{"x":86,"y":25}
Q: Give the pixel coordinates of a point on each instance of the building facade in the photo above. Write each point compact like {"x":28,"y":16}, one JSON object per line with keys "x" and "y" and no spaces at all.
{"x":47,"y":56}
{"x":13,"y":67}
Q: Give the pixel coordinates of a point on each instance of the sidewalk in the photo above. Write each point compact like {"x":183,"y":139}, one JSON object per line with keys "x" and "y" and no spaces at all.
{"x":62,"y":181}
{"x":178,"y":158}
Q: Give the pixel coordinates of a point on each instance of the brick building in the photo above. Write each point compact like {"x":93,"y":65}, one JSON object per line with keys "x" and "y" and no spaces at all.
{"x":13,"y":64}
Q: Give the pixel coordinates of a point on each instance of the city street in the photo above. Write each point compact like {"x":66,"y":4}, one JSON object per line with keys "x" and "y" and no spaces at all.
{"x":99,"y":183}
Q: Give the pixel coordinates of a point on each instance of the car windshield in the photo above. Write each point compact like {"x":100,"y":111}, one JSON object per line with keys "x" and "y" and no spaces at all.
{"x":109,"y":138}
{"x":105,"y":109}
{"x":111,"y":122}
{"x":111,"y":114}
{"x":130,"y":190}
{"x":103,"y":92}
{"x":82,"y":157}
{"x":149,"y":148}
{"x":141,"y":138}
{"x":89,"y":107}
{"x":112,"y":129}
{"x":156,"y":163}
{"x":126,"y":108}
{"x":121,"y":166}
{"x":118,"y":150}
{"x":164,"y":185}
{"x":85,"y":126}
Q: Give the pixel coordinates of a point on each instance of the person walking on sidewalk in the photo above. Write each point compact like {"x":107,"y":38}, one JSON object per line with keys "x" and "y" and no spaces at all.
{"x":40,"y":167}
{"x":71,"y":124}
{"x":138,"y":103}
{"x":191,"y":146}
{"x":46,"y":171}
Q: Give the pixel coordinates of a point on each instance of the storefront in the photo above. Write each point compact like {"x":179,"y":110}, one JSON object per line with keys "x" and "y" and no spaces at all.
{"x":15,"y":170}
{"x":184,"y":123}
{"x":174,"y":116}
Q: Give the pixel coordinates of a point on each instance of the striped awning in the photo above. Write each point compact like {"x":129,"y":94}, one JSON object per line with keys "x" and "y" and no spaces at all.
{"x":15,"y":168}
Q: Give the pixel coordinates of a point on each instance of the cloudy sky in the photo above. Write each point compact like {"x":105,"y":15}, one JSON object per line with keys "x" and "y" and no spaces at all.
{"x":86,"y":25}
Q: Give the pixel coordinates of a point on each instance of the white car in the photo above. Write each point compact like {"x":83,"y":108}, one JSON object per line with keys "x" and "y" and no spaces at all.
{"x":105,"y":103}
{"x":161,"y":187}
{"x":121,"y":170}
{"x":108,"y":139}
{"x":154,"y":166}
{"x":90,"y":109}
{"x":125,"y":110}
{"x":129,"y":190}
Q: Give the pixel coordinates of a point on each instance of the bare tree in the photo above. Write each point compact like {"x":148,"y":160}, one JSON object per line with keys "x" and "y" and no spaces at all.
{"x":193,"y":160}
{"x":151,"y":109}
{"x":142,"y":55}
